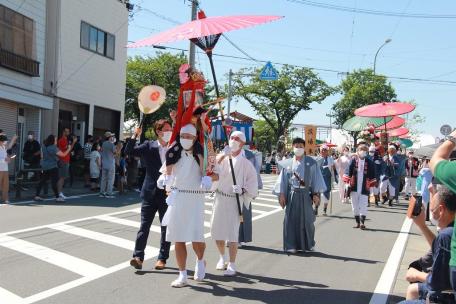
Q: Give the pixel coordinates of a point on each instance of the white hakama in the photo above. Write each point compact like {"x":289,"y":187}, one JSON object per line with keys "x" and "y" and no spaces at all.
{"x":225,"y":215}
{"x":186,"y":213}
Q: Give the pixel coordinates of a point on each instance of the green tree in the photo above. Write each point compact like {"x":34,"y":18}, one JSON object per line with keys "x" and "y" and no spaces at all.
{"x":413,"y":121}
{"x":162,"y":70}
{"x":263,"y":135}
{"x":360,"y":88}
{"x":278,"y":102}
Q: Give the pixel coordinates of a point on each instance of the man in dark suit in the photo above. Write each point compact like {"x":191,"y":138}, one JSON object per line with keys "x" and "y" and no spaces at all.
{"x":152,"y":154}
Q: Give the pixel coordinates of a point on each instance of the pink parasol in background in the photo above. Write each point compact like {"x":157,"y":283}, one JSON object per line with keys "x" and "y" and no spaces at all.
{"x":396,"y":122}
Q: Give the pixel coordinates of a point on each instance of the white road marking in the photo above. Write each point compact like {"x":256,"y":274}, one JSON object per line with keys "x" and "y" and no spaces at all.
{"x":275,"y":200}
{"x":95,"y":271}
{"x":9,"y":297}
{"x":73,"y":284}
{"x":125,"y":222}
{"x":388,"y":277}
{"x":101,"y":237}
{"x":266,"y":205}
{"x":207,"y":212}
{"x":60,"y":259}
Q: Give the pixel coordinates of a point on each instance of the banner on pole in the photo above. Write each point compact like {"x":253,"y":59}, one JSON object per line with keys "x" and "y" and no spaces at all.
{"x":311,"y":139}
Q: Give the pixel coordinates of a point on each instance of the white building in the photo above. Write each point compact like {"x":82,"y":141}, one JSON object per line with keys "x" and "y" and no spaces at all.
{"x":86,"y":65}
{"x":62,"y":64}
{"x":22,"y":57}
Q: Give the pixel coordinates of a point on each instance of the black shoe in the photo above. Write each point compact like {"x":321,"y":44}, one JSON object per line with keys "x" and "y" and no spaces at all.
{"x":390,"y":203}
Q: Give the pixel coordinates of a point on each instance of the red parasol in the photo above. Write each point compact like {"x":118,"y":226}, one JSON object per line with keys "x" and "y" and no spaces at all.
{"x":397,"y":132}
{"x":204,"y":27}
{"x":396,"y":122}
{"x":384,"y":109}
{"x":405,"y":136}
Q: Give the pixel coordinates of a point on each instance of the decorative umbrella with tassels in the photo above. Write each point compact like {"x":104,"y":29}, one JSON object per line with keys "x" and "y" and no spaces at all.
{"x":205,"y":33}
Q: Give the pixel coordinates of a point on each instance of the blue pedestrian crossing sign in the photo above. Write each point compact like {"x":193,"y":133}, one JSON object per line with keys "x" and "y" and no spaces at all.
{"x":268,"y":72}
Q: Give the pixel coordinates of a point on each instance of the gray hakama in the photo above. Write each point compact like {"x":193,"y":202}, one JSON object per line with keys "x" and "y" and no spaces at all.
{"x":298,"y":224}
{"x":245,"y":228}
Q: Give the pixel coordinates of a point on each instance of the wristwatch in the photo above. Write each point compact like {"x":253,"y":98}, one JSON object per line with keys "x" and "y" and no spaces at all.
{"x":451,"y":138}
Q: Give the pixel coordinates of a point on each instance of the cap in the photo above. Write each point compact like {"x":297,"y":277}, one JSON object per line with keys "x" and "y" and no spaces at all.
{"x":239,"y":134}
{"x":188,"y":129}
{"x":108,"y":134}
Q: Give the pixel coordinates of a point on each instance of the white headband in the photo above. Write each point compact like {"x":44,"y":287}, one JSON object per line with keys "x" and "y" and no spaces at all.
{"x":239,"y":134}
{"x":188,"y":129}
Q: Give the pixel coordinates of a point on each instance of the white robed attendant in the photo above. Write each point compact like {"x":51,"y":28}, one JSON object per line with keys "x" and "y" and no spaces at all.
{"x":341,"y":165}
{"x":225,"y":216}
{"x":185,"y":215}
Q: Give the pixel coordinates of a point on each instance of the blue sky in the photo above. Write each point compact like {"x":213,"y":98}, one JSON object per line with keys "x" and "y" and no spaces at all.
{"x":330,"y":39}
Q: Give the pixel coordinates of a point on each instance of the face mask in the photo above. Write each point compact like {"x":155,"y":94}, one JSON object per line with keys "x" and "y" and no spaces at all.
{"x":167,"y":136}
{"x":298,"y":151}
{"x":371,"y":153}
{"x":234,"y":145}
{"x":433,"y":220}
{"x":187,"y":144}
{"x":30,"y":137}
{"x":362,"y":154}
{"x":113,"y":139}
{"x":346,"y":153}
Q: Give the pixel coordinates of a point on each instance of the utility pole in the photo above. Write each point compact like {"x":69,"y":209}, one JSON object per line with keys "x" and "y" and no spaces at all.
{"x":192,"y":50}
{"x":229,"y":92}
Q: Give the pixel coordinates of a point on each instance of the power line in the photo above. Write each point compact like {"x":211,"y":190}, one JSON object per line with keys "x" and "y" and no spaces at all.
{"x":371,"y":12}
{"x":432,"y":81}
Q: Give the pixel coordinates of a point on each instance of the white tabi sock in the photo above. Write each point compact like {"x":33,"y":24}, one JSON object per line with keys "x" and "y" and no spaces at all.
{"x":182,"y":275}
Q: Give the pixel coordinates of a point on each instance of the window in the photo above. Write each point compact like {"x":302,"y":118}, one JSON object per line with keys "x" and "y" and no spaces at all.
{"x":98,"y":41}
{"x":16,"y":33}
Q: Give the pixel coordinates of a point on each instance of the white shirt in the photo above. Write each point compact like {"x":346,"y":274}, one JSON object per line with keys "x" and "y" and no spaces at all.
{"x":3,"y":157}
{"x":162,"y":150}
{"x":360,"y":175}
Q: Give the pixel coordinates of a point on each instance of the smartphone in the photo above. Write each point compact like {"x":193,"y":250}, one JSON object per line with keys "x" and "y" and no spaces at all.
{"x":415,"y":205}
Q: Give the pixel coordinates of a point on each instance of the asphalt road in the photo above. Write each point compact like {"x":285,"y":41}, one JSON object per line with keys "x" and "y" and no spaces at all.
{"x":78,"y":252}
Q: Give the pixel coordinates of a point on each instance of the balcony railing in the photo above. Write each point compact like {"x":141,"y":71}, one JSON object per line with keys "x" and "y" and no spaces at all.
{"x":19,"y":63}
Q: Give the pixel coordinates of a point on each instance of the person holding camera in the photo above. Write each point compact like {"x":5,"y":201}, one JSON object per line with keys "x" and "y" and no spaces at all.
{"x":445,"y":171}
{"x":431,"y":286}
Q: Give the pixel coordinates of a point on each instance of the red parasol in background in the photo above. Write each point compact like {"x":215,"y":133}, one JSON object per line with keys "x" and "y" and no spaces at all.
{"x":396,"y":122}
{"x":384,"y":109}
{"x":397,"y":132}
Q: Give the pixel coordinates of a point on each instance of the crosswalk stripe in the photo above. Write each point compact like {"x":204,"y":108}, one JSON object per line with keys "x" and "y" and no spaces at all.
{"x":275,"y":200}
{"x":57,"y":258}
{"x":125,"y":222}
{"x":268,"y":194}
{"x":207,"y":224}
{"x":265,"y":205}
{"x":9,"y":297}
{"x":102,"y":237}
{"x":258,"y":211}
{"x":207,"y":212}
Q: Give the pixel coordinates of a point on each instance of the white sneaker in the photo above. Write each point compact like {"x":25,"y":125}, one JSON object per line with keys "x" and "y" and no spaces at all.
{"x":200,"y":270}
{"x":291,"y":250}
{"x":230,"y":270}
{"x":62,"y":196}
{"x":60,"y":199}
{"x":221,"y":264}
{"x":179,"y":282}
